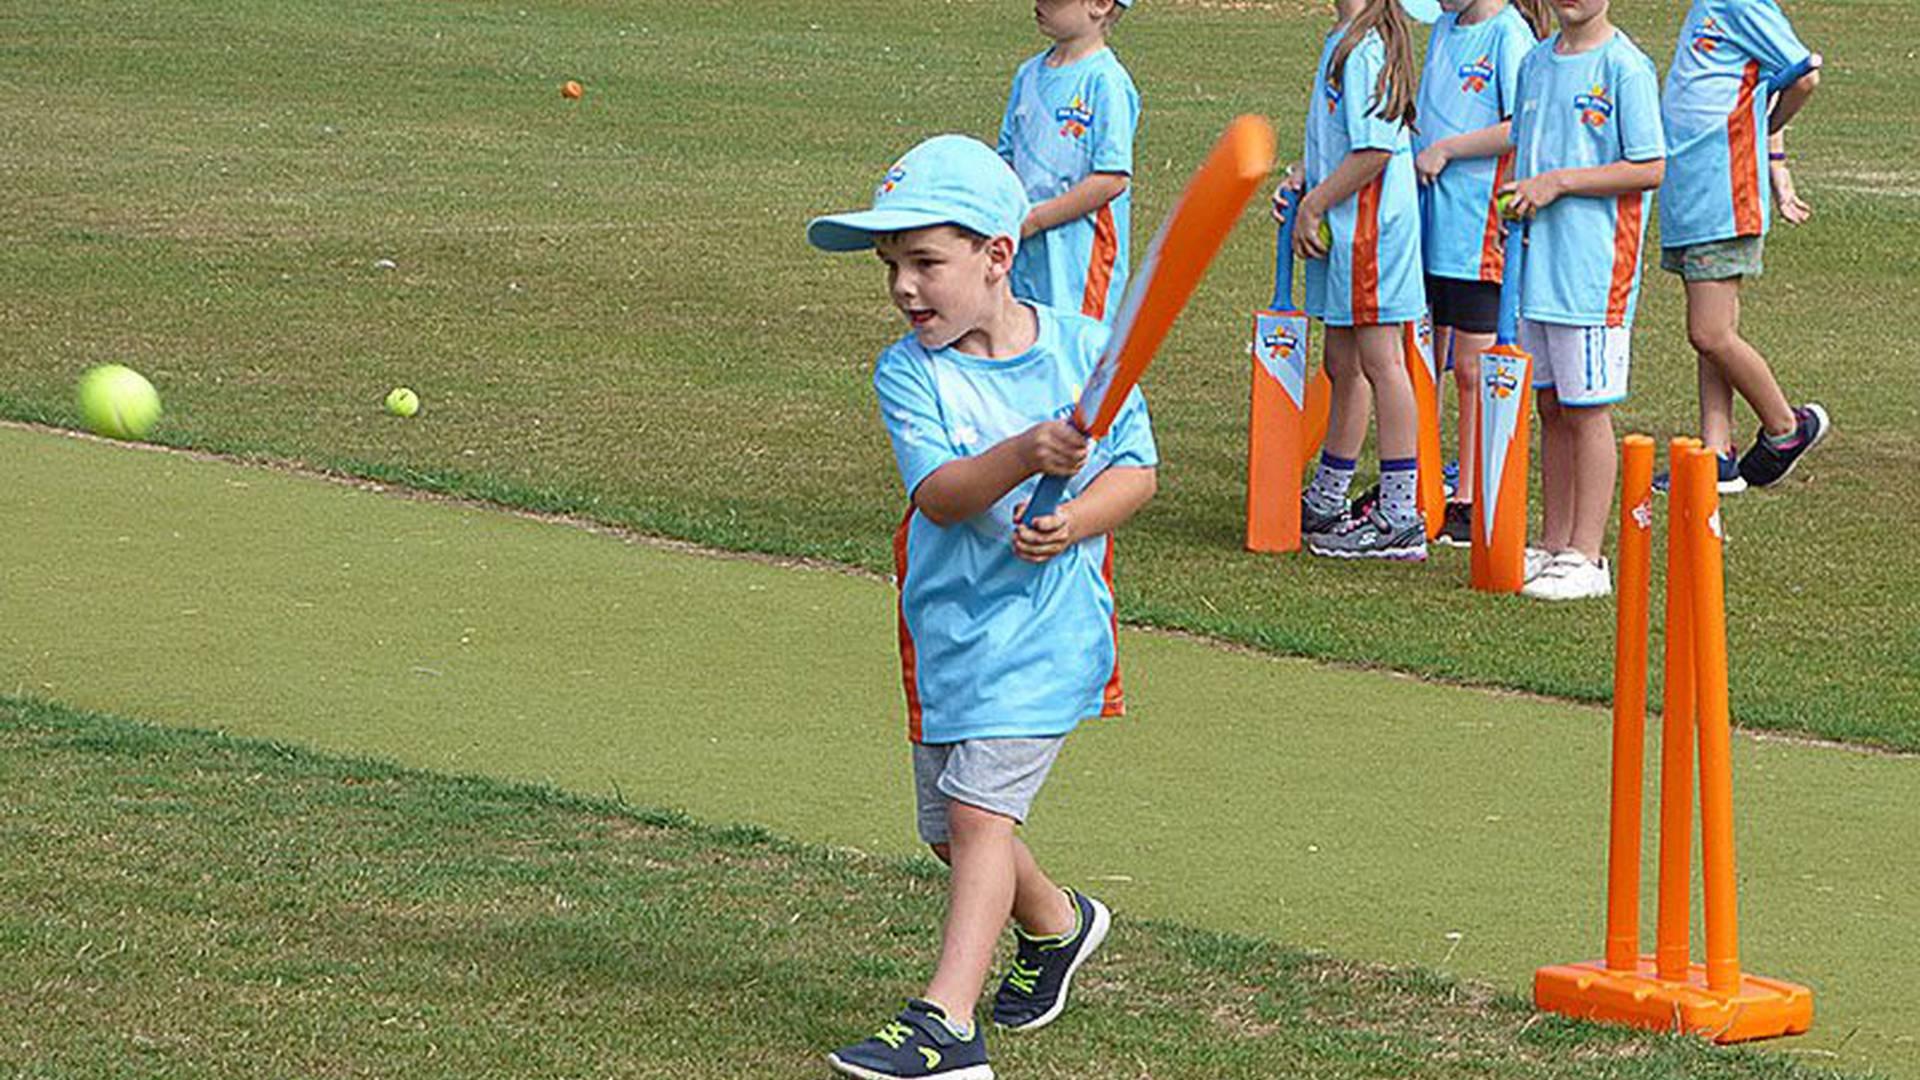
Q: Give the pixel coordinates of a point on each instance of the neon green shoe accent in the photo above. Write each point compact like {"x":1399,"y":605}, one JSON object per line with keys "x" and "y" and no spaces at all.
{"x":1057,"y":940}
{"x":895,"y":1034}
{"x":1023,"y":978}
{"x":932,"y":1056}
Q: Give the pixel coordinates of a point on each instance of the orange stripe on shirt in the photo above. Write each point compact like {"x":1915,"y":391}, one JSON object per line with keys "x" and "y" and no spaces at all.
{"x":1626,"y":256}
{"x":1113,"y":701}
{"x":1493,"y":250}
{"x":1106,"y":251}
{"x":909,"y":660}
{"x":1365,"y":286}
{"x":1743,"y":156}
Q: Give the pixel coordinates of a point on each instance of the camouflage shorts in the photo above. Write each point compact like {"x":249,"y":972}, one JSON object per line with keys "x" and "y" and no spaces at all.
{"x":1715,"y":260}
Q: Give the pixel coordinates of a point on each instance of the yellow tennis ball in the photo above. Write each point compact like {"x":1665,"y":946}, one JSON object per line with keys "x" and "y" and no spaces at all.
{"x":118,"y":402}
{"x":1503,"y":205}
{"x":1326,"y":234}
{"x":402,"y":401}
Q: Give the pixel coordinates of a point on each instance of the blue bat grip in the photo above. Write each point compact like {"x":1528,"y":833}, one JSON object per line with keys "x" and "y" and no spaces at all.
{"x":1508,"y":327}
{"x":1283,"y":254}
{"x":1046,"y":497}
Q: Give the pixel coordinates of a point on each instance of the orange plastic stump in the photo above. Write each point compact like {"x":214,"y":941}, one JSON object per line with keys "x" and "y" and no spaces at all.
{"x":1758,"y":1008}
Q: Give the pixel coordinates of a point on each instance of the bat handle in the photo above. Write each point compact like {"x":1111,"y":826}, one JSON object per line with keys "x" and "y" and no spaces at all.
{"x":1046,"y":497}
{"x":1283,"y":253}
{"x":1508,"y":327}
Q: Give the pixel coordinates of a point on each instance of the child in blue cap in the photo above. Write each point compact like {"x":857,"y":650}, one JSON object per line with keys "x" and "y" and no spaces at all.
{"x":1068,"y":133}
{"x":1007,"y":631}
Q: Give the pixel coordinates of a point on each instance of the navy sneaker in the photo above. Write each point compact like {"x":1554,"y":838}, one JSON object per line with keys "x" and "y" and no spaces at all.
{"x":1456,"y":529}
{"x":1765,"y":464}
{"x":919,"y":1044}
{"x":1035,"y":988}
{"x":1450,"y":478}
{"x":1731,"y":482}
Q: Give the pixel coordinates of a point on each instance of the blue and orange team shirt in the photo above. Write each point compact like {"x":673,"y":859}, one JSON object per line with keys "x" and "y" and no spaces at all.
{"x":1584,"y":110}
{"x":992,"y":646}
{"x":1062,"y":125}
{"x":1468,"y":84}
{"x":1372,"y":275}
{"x":1732,"y":56}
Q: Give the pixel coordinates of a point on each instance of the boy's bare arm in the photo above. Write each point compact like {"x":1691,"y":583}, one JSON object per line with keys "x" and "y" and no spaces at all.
{"x":1790,"y":100}
{"x":1486,"y":142}
{"x":1113,"y":497}
{"x":966,"y":486}
{"x":1597,"y":181}
{"x":1078,"y":201}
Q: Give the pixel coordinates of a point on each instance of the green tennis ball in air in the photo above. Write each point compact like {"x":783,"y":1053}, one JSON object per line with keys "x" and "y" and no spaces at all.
{"x":118,"y":402}
{"x":402,"y":401}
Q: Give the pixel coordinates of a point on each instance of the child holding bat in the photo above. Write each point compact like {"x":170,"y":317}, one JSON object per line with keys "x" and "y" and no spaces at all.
{"x":1734,"y":56}
{"x":1068,"y":133}
{"x":1467,"y":96}
{"x":1007,"y":633}
{"x":1588,"y":152}
{"x":1358,"y":226}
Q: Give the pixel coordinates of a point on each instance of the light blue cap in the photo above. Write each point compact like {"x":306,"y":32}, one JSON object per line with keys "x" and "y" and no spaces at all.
{"x":1426,"y":11}
{"x":947,"y":180}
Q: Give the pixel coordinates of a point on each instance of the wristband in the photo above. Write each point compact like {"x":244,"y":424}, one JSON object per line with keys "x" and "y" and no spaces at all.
{"x":1776,"y":155}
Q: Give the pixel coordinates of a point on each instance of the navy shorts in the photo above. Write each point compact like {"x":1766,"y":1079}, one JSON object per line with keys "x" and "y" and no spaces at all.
{"x":1473,"y":306}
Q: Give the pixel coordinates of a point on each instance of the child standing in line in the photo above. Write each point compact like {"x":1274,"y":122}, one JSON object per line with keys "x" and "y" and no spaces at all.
{"x":1588,"y":152}
{"x":1007,"y":632}
{"x":1467,"y":95}
{"x":1733,"y":57}
{"x":1365,"y":284}
{"x":1068,"y":133}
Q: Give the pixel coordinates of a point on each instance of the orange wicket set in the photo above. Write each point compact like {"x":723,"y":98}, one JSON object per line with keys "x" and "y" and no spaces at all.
{"x":1666,"y":990}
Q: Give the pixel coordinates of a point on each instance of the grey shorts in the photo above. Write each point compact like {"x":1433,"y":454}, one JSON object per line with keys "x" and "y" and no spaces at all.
{"x":999,"y":775}
{"x":1716,"y":260}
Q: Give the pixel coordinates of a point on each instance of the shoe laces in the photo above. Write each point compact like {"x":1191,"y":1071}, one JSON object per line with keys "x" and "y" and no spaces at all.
{"x":1022,"y":977}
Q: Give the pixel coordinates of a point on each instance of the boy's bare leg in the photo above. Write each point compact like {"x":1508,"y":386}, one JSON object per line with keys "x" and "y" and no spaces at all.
{"x":1466,"y":379}
{"x":1713,"y":328}
{"x":1590,"y":437}
{"x":1556,"y":475}
{"x":1351,"y":400}
{"x":1039,"y":906}
{"x":1384,"y":364}
{"x":980,"y":896}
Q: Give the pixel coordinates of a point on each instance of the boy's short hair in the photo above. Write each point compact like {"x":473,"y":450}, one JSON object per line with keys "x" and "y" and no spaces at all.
{"x":946,"y":180}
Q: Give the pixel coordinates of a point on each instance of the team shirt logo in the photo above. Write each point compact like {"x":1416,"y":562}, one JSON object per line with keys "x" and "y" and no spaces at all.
{"x":891,"y":181}
{"x":1709,"y":36}
{"x":1475,"y":76}
{"x":1074,"y":119}
{"x":1333,"y":94}
{"x":1594,"y":106}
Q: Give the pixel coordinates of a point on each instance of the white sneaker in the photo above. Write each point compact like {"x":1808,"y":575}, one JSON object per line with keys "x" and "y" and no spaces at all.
{"x":1569,"y":576}
{"x":1536,"y":562}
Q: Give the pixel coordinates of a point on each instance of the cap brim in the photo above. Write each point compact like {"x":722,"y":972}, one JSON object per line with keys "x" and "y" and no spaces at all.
{"x":855,"y":231}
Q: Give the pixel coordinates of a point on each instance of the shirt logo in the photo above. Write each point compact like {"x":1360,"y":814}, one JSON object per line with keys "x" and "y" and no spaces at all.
{"x":1333,"y":94}
{"x":891,"y":180}
{"x":1074,"y":119}
{"x":1474,"y":77}
{"x":1709,"y":36}
{"x":1594,"y":106}
{"x":1280,"y":344}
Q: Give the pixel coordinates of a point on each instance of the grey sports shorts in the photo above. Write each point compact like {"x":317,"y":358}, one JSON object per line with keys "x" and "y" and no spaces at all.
{"x":999,"y":775}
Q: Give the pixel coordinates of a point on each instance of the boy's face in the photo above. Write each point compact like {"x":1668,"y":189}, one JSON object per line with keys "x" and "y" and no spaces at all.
{"x":1066,"y":20}
{"x":1578,"y":12}
{"x":945,"y":281}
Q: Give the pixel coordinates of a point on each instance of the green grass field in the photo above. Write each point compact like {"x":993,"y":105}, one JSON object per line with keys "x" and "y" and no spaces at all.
{"x":226,"y":908}
{"x":608,"y":307}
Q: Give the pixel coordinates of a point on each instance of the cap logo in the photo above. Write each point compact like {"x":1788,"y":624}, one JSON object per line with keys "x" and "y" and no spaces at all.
{"x":891,"y":180}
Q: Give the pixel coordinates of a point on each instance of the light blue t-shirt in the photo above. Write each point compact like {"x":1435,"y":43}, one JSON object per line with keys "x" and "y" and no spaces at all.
{"x":1062,"y":125}
{"x":1468,"y":84}
{"x":992,"y":646}
{"x":1732,"y":56}
{"x":1372,"y":273}
{"x":1580,"y":110}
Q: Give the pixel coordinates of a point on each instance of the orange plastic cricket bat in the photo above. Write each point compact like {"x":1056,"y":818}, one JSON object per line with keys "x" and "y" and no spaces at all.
{"x":1188,"y":240}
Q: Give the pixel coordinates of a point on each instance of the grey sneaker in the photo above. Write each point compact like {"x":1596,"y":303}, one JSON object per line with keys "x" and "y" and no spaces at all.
{"x":1317,"y":523}
{"x":1373,"y":537}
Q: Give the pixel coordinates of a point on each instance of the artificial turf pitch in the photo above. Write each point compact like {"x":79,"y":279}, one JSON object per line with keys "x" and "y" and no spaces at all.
{"x":1370,"y":814}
